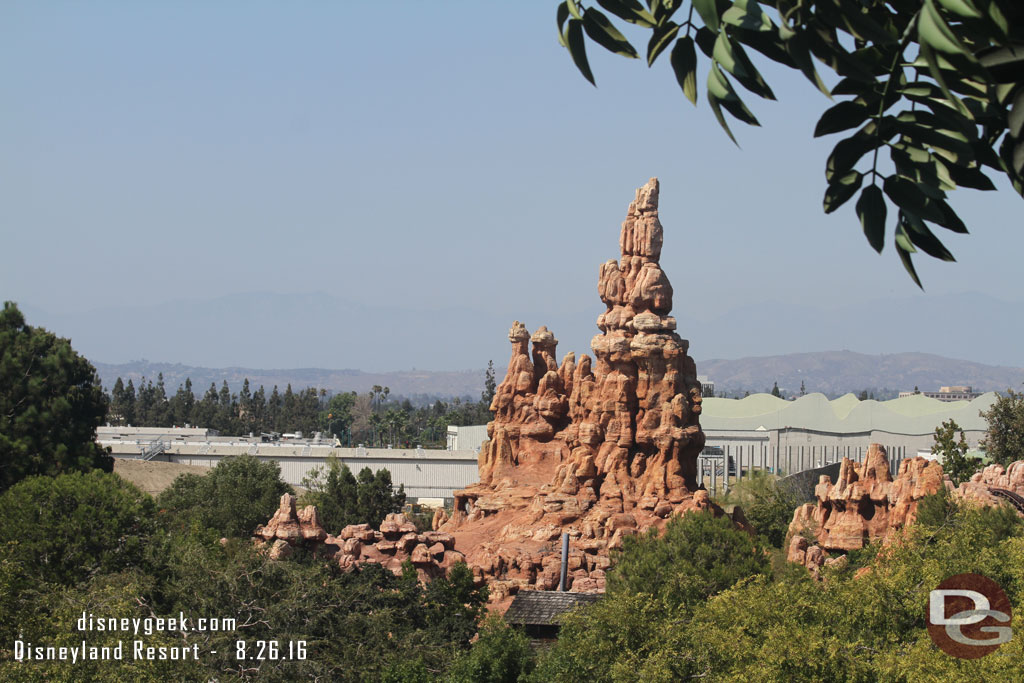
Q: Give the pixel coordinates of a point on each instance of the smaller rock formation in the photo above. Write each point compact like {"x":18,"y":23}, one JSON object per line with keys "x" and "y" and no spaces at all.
{"x":291,"y":527}
{"x":864,"y":505}
{"x":432,"y":553}
{"x":979,"y":488}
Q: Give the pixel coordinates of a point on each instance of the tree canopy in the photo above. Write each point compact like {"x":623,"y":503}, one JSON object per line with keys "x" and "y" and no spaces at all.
{"x":51,"y":403}
{"x":235,"y":497}
{"x":932,"y":90}
{"x":70,"y":527}
{"x":1004,"y":442}
{"x":342,"y":498}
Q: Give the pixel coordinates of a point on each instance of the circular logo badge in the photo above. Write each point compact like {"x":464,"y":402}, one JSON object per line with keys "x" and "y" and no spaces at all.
{"x":969,"y":616}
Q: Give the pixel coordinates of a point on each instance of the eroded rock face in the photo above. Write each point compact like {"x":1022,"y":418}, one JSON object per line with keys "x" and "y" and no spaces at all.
{"x":980,"y":486}
{"x":292,"y":527}
{"x":432,"y":553}
{"x":599,"y":448}
{"x":865,"y":504}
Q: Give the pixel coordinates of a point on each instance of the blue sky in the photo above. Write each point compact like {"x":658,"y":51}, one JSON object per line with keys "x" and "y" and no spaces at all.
{"x":423,"y":156}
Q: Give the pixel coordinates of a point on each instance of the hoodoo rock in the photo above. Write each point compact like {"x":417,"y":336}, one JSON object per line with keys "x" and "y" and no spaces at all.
{"x":866,"y":504}
{"x":292,"y":527}
{"x":600,"y":448}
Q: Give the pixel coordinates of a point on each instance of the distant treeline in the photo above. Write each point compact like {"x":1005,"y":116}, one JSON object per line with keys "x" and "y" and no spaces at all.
{"x":374,"y":418}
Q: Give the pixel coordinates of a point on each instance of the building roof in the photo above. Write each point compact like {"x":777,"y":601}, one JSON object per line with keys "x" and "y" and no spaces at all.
{"x":908,"y":415}
{"x":545,"y":607}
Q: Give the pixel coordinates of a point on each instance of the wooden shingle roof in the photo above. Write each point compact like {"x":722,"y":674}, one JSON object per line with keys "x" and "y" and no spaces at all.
{"x":545,"y":607}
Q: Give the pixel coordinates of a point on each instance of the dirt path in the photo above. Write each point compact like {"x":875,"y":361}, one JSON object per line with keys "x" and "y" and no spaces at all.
{"x":153,"y":476}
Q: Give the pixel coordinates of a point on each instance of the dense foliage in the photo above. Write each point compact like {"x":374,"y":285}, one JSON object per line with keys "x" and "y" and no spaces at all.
{"x":695,"y":557}
{"x":1004,"y":442}
{"x":375,"y":418}
{"x":767,"y":503}
{"x":114,"y":562}
{"x":932,"y":90}
{"x":236,"y":496}
{"x":73,"y":526}
{"x":789,"y":627}
{"x":50,"y":404}
{"x":343,"y":499}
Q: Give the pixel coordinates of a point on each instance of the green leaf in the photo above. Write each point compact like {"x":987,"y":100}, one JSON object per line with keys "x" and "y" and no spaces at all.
{"x":661,"y":38}
{"x":970,"y":176}
{"x":708,"y":11}
{"x":849,"y":151}
{"x":962,"y":8}
{"x":931,"y":59}
{"x":841,"y":189}
{"x":717,"y":109}
{"x":933,"y":30}
{"x":861,"y":25}
{"x":871,"y":211}
{"x":562,"y":14}
{"x":684,"y":64}
{"x":840,"y":117}
{"x":1015,"y":119}
{"x":574,"y":9}
{"x":724,"y":55}
{"x":798,"y":51}
{"x":904,"y":248}
{"x":750,"y":17}
{"x":733,"y":58}
{"x":923,"y":200}
{"x":922,"y":237}
{"x":602,"y":32}
{"x":578,"y":49}
{"x":629,"y":10}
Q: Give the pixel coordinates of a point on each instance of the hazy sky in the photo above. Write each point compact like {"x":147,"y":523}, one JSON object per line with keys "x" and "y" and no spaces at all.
{"x":419,"y":155}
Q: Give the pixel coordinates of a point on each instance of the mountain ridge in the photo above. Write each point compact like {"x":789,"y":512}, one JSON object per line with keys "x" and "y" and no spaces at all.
{"x":830,"y":372}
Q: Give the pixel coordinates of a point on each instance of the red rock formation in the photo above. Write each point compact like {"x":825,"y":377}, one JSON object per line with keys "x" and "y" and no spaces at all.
{"x":600,"y":449}
{"x":431,"y":553}
{"x":293,"y":527}
{"x":865,"y":504}
{"x":993,"y":477}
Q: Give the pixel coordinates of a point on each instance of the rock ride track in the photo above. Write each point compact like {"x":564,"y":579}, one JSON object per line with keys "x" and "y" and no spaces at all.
{"x":1015,"y":500}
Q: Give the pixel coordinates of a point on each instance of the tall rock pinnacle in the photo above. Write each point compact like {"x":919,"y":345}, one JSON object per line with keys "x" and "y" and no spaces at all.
{"x":600,"y":447}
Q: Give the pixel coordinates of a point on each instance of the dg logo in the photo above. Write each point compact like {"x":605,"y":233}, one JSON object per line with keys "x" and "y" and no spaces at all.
{"x":969,"y":616}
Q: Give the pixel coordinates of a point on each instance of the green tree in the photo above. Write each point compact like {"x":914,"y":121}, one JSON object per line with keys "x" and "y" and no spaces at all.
{"x":953,"y":452}
{"x":490,"y":385}
{"x":342,"y":499}
{"x":936,"y":86}
{"x":73,"y":526}
{"x":237,"y":495}
{"x":502,"y":654}
{"x":1004,"y":442}
{"x":767,"y":504}
{"x":695,"y":557}
{"x":51,"y":403}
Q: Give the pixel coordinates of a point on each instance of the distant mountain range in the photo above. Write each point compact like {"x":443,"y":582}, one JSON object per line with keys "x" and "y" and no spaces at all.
{"x":830,"y":372}
{"x":264,"y":329}
{"x":837,"y":372}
